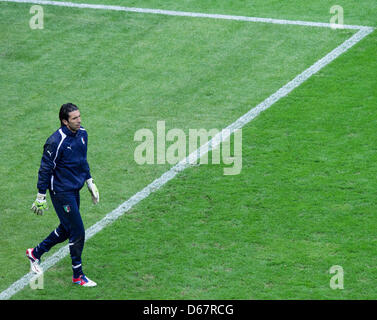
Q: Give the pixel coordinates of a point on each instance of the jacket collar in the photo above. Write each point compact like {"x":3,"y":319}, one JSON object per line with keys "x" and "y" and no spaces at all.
{"x":69,"y":132}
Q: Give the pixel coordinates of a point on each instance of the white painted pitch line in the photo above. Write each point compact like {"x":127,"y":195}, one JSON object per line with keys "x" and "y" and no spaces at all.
{"x":185,"y":14}
{"x":193,"y":157}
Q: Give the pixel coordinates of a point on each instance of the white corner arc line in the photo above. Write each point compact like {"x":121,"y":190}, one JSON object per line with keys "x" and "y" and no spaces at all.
{"x":193,"y":157}
{"x":186,"y":14}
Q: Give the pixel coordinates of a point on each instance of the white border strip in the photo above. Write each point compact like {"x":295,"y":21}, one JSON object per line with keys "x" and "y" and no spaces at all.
{"x":186,"y":14}
{"x":193,"y":157}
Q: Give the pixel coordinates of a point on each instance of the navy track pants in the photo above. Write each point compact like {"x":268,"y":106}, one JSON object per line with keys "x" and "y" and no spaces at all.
{"x":67,"y":207}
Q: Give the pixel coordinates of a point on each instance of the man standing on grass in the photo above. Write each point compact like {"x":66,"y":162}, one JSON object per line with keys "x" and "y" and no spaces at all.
{"x":64,"y":170}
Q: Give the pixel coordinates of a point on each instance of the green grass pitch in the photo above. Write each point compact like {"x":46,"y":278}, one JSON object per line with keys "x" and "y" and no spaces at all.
{"x":304,"y":201}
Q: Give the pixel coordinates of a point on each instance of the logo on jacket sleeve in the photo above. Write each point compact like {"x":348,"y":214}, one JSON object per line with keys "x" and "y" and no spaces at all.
{"x":67,"y":208}
{"x":82,"y":140}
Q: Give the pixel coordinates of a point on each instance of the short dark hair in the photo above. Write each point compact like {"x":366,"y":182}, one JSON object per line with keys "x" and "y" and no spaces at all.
{"x":65,"y":109}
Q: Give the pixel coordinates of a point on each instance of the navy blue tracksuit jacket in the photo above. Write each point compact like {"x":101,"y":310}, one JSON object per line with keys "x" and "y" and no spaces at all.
{"x":64,"y":166}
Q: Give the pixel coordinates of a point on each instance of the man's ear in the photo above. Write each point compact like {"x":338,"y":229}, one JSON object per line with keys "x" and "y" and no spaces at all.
{"x":65,"y":122}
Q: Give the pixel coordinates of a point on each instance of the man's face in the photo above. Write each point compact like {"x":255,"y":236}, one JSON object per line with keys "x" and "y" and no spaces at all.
{"x":74,"y":121}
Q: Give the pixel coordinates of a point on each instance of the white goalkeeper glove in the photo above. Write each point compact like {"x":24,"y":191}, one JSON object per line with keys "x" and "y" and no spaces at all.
{"x":40,"y":204}
{"x":93,"y":190}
